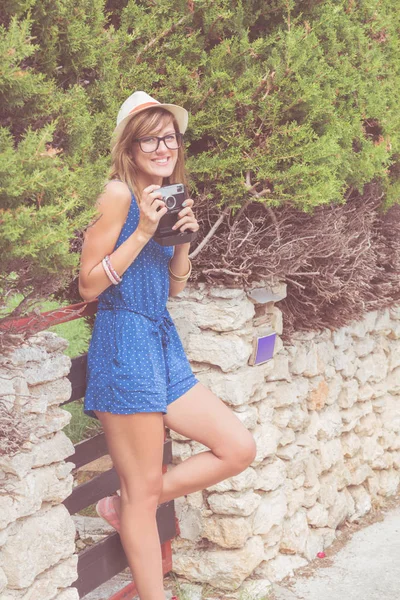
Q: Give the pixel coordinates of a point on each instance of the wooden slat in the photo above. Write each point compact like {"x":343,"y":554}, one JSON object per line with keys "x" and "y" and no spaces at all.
{"x":96,"y":447}
{"x":99,"y":563}
{"x":89,"y":450}
{"x":102,"y":485}
{"x":88,"y":493}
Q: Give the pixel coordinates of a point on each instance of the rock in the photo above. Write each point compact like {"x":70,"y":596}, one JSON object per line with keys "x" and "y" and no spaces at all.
{"x":373,"y":368}
{"x":271,"y":511}
{"x":256,"y":589}
{"x":362,"y":501}
{"x":219,"y":314}
{"x":222,"y":569}
{"x":51,"y":584}
{"x":351,"y":444}
{"x":318,"y":515}
{"x":47,"y":369}
{"x":228,"y":532}
{"x":341,"y":509}
{"x":247,"y":479}
{"x":330,"y":452}
{"x":315,"y":544}
{"x":52,"y":392}
{"x":234,"y":503}
{"x":180,"y":451}
{"x":318,"y":395}
{"x":267,"y":437}
{"x":388,"y":482}
{"x":56,"y":532}
{"x":282,"y":566}
{"x":295,"y":533}
{"x":247,"y":415}
{"x":348,"y":394}
{"x":228,"y":352}
{"x":25,"y":497}
{"x":238,"y":387}
{"x":271,"y":476}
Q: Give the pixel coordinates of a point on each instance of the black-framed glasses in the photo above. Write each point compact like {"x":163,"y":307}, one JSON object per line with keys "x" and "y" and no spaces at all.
{"x":173,"y":141}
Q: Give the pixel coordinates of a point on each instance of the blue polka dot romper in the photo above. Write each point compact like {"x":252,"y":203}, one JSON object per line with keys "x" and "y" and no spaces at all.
{"x":136,"y":361}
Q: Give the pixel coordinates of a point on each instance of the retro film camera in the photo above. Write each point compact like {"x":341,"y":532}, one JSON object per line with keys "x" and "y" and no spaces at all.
{"x":173,"y":196}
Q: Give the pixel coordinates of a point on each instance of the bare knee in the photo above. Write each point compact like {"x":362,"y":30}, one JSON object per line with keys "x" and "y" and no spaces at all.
{"x":242,"y":453}
{"x":143,"y":493}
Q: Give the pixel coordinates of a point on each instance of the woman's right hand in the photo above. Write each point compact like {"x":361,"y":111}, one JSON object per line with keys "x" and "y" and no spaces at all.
{"x":151,"y":208}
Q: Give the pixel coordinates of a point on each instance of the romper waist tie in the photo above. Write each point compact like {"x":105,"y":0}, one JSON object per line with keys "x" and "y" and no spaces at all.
{"x":162,"y":323}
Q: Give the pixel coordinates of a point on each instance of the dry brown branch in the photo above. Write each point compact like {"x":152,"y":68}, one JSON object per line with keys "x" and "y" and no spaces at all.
{"x":209,"y":234}
{"x":339,"y":262}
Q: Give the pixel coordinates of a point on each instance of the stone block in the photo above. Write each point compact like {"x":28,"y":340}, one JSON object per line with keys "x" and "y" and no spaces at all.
{"x":271,"y":476}
{"x":315,"y":544}
{"x":51,"y":584}
{"x":271,"y":511}
{"x":330,"y":452}
{"x":349,"y":394}
{"x":318,"y":394}
{"x":318,"y":515}
{"x":238,"y":387}
{"x":222,"y":569}
{"x":56,"y":532}
{"x":25,"y":497}
{"x":241,"y":504}
{"x":217,"y":314}
{"x":281,"y":566}
{"x":48,"y":369}
{"x":228,"y":352}
{"x":362,"y":501}
{"x":267,"y":437}
{"x":52,"y":392}
{"x":341,"y":509}
{"x":256,"y":589}
{"x":248,"y":415}
{"x":373,"y":368}
{"x":227,"y":532}
{"x":388,"y":482}
{"x":245,"y":480}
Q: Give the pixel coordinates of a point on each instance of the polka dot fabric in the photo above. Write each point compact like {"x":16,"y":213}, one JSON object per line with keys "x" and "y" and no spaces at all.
{"x":136,"y":361}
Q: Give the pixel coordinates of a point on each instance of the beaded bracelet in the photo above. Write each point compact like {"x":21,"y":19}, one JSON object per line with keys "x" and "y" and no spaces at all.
{"x":180,"y":278}
{"x":113,"y":271}
{"x":108,"y":272}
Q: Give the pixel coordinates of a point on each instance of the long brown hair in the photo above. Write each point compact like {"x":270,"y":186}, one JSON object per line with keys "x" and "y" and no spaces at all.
{"x":122,"y":162}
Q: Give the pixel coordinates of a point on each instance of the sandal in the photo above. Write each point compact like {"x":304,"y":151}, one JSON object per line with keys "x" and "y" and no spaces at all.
{"x":106,"y":510}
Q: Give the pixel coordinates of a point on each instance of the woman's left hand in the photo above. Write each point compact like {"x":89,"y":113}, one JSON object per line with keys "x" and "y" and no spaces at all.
{"x":187,"y":220}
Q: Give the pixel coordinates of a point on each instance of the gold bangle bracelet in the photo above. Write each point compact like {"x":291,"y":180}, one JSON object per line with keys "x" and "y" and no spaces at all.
{"x":180,"y":278}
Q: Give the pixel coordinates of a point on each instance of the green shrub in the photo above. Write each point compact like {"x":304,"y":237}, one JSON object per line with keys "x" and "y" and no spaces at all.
{"x":291,"y":103}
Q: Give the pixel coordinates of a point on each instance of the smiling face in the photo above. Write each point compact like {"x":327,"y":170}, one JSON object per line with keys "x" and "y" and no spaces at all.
{"x":153,"y":167}
{"x":140,"y":169}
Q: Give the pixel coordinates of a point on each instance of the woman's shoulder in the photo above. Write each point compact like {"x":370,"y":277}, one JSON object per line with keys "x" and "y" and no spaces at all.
{"x":117,"y":187}
{"x":115,"y":198}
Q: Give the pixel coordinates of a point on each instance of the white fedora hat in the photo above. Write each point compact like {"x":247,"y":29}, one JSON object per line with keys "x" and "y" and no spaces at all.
{"x":139,"y":101}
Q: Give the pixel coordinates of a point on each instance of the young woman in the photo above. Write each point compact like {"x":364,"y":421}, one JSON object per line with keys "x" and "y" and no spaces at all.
{"x":139,"y":379}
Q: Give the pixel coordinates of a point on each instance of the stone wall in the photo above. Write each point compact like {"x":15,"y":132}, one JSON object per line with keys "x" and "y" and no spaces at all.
{"x":37,"y":534}
{"x":325,"y":413}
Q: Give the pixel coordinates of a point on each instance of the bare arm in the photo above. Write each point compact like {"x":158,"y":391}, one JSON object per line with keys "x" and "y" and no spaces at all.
{"x":101,"y":237}
{"x":179,"y":264}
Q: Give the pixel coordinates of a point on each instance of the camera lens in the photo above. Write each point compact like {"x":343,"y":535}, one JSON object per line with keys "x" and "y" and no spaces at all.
{"x":170,"y":201}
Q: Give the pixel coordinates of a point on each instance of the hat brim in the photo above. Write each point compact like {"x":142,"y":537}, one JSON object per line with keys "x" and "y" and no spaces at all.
{"x":181,"y":115}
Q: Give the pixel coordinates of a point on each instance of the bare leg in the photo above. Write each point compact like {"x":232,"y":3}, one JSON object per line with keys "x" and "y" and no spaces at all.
{"x":200,"y":415}
{"x":135,"y":443}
